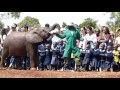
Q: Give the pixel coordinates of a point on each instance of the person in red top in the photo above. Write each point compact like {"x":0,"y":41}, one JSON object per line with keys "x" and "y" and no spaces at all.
{"x":106,"y":37}
{"x":97,"y":31}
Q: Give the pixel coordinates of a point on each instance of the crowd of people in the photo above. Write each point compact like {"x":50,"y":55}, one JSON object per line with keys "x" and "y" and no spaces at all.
{"x":74,"y":48}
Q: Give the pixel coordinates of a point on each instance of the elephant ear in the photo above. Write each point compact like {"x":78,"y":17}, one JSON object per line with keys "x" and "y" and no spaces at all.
{"x":33,"y":37}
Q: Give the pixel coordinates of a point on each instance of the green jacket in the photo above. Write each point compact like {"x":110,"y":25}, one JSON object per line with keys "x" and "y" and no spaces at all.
{"x":71,"y":42}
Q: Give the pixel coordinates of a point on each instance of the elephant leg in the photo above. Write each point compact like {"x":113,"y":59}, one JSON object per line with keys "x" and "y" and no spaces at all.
{"x":4,"y":56}
{"x":34,"y":62}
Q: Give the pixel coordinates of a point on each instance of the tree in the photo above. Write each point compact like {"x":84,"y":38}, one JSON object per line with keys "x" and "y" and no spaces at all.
{"x":15,"y":15}
{"x":89,"y":22}
{"x":64,"y":24}
{"x":7,"y":15}
{"x":30,"y":21}
{"x":1,"y":24}
{"x":114,"y":22}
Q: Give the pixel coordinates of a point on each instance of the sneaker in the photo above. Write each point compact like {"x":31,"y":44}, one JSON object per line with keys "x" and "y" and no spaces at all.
{"x":100,"y":70}
{"x":72,"y":70}
{"x":37,"y":68}
{"x":61,"y":69}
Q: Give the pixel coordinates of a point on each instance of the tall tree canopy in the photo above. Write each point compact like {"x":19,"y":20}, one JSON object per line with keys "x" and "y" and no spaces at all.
{"x":30,"y":21}
{"x":7,"y":15}
{"x":64,"y":24}
{"x":88,"y":22}
{"x":1,"y":24}
{"x":114,"y":22}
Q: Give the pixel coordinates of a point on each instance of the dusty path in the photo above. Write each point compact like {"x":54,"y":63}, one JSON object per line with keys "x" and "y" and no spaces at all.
{"x":56,"y":74}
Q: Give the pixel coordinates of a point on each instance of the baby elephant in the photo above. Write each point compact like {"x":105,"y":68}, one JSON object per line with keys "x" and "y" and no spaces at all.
{"x":25,"y":44}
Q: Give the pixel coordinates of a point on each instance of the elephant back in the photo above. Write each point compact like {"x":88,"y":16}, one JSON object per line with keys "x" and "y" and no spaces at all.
{"x":15,"y":37}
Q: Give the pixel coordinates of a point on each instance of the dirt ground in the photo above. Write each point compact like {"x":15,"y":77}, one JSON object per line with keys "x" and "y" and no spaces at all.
{"x":56,"y":74}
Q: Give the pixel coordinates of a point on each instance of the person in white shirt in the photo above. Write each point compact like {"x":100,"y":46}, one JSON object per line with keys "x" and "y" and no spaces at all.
{"x":117,"y":40}
{"x":3,"y":35}
{"x":91,"y":38}
{"x":83,"y":34}
{"x":55,"y":39}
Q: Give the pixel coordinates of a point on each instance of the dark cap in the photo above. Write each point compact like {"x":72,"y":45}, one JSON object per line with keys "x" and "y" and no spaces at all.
{"x":25,"y":26}
{"x":47,"y":25}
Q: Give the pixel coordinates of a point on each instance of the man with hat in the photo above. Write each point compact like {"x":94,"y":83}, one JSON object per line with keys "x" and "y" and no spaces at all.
{"x":71,"y":34}
{"x":25,"y":28}
{"x":13,"y":29}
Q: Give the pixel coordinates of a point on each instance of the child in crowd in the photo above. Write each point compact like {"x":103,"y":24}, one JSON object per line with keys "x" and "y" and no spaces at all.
{"x":47,"y":57}
{"x":116,"y":55}
{"x":102,"y":57}
{"x":87,"y":58}
{"x":54,"y":60}
{"x":82,"y":55}
{"x":60,"y":49}
{"x":41,"y":51}
{"x":109,"y":59}
{"x":96,"y":57}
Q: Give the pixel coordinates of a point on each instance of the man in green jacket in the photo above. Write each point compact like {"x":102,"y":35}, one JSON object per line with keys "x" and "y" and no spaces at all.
{"x":71,"y":34}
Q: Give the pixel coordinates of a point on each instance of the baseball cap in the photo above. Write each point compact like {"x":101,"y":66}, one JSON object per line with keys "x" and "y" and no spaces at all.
{"x":13,"y":26}
{"x":70,"y":24}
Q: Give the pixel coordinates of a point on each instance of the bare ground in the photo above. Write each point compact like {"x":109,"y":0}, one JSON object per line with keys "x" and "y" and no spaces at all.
{"x":55,"y":74}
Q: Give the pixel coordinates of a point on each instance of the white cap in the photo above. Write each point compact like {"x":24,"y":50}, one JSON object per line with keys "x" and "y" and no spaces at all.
{"x":13,"y":25}
{"x":70,"y":24}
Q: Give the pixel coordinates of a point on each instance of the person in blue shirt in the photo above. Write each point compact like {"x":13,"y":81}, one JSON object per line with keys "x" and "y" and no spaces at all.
{"x":54,"y":61}
{"x":87,"y":58}
{"x":82,"y":55}
{"x":96,"y":57}
{"x":41,"y":52}
{"x":60,"y":51}
{"x":102,"y":57}
{"x":47,"y":57}
{"x":109,"y":59}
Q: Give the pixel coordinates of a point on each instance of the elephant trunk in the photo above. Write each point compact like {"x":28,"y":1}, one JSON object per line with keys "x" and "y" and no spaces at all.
{"x":56,"y":25}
